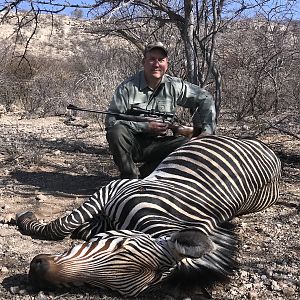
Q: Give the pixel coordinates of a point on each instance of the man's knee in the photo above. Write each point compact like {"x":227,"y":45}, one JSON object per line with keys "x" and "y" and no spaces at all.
{"x":121,"y":144}
{"x":117,"y":134}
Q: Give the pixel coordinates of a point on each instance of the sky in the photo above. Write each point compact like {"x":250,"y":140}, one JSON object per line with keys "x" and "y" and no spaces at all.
{"x":68,"y":11}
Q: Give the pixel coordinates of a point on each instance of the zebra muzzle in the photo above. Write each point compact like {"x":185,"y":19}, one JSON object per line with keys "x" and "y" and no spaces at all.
{"x":43,"y":273}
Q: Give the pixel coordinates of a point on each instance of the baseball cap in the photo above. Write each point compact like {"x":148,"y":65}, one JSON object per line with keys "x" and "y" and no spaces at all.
{"x":154,"y":45}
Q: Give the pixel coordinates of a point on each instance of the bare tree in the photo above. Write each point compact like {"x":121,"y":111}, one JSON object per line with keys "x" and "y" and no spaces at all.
{"x":190,"y":27}
{"x":257,"y":58}
{"x":77,"y":13}
{"x":140,"y":21}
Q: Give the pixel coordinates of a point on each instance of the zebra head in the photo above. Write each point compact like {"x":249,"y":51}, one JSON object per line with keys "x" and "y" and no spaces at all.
{"x":124,"y":261}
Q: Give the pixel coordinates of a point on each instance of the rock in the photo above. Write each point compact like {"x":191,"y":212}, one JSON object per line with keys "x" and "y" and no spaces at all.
{"x":23,"y":292}
{"x":2,"y":109}
{"x":275,"y":286}
{"x":8,"y":219}
{"x":3,"y":270}
{"x":14,"y":108}
{"x":288,"y":291}
{"x":5,"y":206}
{"x":245,"y":127}
{"x":248,"y":286}
{"x":269,"y":273}
{"x":263,"y":277}
{"x":6,"y":171}
{"x":252,"y":295}
{"x":41,"y":296}
{"x":14,"y":289}
{"x":41,"y":197}
{"x":244,"y":274}
{"x":57,"y":152}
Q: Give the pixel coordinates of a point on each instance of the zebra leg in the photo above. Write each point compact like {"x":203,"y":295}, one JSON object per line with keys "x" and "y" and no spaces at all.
{"x":94,"y":226}
{"x":83,"y":221}
{"x":55,"y":230}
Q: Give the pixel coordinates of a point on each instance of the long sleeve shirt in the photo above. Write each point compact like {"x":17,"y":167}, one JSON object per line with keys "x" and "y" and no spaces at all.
{"x":171,"y":92}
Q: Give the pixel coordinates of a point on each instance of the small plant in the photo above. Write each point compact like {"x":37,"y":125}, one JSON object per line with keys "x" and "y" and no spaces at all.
{"x":29,"y":149}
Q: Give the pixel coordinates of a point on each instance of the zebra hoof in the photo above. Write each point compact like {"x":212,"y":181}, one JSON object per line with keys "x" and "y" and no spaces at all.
{"x":25,"y":216}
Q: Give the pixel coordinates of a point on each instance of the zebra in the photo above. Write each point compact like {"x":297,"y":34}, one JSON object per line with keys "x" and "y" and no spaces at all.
{"x":170,"y":231}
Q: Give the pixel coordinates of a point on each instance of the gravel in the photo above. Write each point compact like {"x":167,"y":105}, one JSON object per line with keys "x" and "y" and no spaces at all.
{"x":49,"y":167}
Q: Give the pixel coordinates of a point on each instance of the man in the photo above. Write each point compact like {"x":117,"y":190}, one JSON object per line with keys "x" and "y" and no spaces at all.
{"x":153,"y":89}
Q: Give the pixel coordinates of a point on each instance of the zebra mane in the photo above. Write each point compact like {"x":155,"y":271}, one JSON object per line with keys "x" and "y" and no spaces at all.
{"x":213,"y":267}
{"x":222,"y":258}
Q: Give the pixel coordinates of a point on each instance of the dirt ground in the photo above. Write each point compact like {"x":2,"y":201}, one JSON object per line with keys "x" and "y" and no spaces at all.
{"x":49,"y":166}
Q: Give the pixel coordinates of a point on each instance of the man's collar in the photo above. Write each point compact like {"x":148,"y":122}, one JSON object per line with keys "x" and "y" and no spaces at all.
{"x":143,"y":83}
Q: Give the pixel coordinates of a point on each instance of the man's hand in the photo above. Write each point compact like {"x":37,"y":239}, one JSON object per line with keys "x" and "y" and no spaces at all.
{"x":198,"y":133}
{"x":182,"y":130}
{"x":157,"y":128}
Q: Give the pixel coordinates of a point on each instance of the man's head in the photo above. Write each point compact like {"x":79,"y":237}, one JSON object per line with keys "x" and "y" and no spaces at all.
{"x":156,"y":45}
{"x":155,"y":62}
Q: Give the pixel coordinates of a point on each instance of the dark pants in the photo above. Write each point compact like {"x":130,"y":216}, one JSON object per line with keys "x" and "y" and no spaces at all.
{"x":128,"y":148}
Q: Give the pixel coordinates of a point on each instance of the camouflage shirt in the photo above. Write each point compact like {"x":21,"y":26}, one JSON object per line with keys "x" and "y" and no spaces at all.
{"x":171,"y":92}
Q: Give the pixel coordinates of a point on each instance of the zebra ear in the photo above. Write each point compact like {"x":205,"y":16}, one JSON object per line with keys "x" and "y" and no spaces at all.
{"x":191,"y":243}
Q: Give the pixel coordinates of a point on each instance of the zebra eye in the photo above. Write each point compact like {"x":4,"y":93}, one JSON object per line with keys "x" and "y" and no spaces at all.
{"x":160,"y":270}
{"x":119,"y":245}
{"x":108,"y":245}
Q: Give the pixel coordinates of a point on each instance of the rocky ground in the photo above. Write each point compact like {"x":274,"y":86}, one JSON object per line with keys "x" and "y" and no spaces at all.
{"x":50,"y":166}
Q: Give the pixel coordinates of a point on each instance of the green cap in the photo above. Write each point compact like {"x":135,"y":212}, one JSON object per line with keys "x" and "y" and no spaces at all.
{"x":154,"y":45}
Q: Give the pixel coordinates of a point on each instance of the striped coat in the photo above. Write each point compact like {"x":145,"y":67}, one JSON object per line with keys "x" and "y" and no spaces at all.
{"x":171,"y":227}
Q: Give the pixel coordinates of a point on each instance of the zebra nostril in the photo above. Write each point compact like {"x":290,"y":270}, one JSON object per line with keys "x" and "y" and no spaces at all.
{"x":40,"y":273}
{"x":40,"y":265}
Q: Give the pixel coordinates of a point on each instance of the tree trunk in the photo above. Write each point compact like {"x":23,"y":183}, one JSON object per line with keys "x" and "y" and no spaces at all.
{"x":188,"y":37}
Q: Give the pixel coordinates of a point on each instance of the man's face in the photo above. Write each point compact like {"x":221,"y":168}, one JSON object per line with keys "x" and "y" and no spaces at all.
{"x":155,"y":64}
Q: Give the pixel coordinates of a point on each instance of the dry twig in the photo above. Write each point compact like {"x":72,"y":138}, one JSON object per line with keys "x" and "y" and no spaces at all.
{"x":273,"y":125}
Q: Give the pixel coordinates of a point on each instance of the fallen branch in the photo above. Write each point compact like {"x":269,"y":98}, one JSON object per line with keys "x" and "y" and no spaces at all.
{"x":273,"y":126}
{"x":286,"y":132}
{"x":71,"y":123}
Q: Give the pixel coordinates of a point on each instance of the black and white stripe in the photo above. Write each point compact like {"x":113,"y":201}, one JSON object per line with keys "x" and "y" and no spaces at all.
{"x":171,"y":222}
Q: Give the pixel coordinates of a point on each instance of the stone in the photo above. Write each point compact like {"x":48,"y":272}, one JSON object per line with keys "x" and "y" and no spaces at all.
{"x":14,"y":289}
{"x":41,"y":296}
{"x":252,"y":295}
{"x":41,"y":197}
{"x":4,"y":270}
{"x":288,"y":291}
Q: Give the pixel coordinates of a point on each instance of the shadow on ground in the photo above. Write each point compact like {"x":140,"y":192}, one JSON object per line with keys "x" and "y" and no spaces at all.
{"x":52,"y":182}
{"x":15,"y":280}
{"x":289,"y":159}
{"x":21,"y":281}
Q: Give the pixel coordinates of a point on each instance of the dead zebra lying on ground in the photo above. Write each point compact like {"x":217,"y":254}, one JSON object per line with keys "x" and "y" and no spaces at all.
{"x":167,"y":230}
